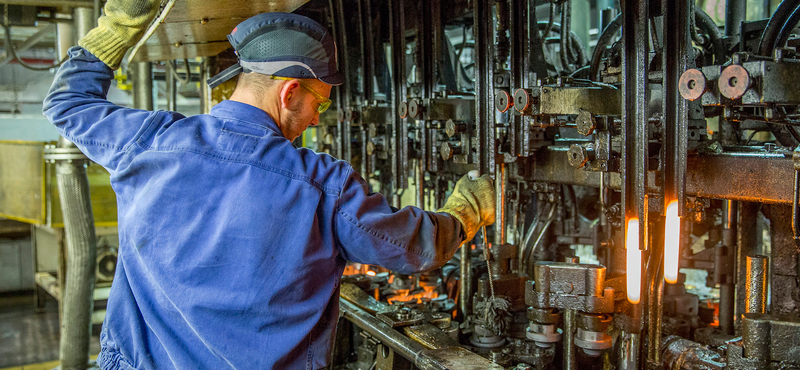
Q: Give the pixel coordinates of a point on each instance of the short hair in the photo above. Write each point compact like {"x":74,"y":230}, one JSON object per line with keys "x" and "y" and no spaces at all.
{"x":256,"y":83}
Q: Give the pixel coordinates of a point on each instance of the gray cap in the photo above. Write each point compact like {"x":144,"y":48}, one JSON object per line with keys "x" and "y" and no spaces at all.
{"x":285,"y":45}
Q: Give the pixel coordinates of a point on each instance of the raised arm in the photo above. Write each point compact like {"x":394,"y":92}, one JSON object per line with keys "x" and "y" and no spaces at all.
{"x":77,"y":103}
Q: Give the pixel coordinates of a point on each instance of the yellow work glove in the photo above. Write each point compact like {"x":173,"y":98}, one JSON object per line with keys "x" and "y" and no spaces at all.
{"x":472,"y":203}
{"x":121,"y":26}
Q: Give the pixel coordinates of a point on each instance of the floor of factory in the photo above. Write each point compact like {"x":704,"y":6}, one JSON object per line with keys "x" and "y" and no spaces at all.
{"x":30,"y":340}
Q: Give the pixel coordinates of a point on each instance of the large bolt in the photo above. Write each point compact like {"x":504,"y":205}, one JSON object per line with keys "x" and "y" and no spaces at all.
{"x":577,"y":155}
{"x":448,"y":151}
{"x":585,"y":123}
{"x":451,"y":128}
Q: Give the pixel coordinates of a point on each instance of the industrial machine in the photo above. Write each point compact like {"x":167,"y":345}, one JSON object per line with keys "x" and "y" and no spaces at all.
{"x":647,"y":187}
{"x":647,"y":175}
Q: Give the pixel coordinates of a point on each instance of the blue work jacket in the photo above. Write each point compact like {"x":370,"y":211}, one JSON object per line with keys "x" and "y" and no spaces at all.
{"x":232,"y":241}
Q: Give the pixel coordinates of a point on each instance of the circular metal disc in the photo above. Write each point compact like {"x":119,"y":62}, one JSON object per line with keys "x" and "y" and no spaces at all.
{"x":522,"y":100}
{"x":734,"y":81}
{"x":692,"y":84}
{"x":502,"y":101}
{"x":413,"y":108}
{"x":402,"y":110}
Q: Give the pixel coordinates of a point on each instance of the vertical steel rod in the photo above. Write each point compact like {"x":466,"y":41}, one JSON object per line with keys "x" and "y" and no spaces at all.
{"x":484,"y":99}
{"x":568,"y":362}
{"x":143,"y":85}
{"x":501,"y":182}
{"x":727,"y":292}
{"x":756,"y":280}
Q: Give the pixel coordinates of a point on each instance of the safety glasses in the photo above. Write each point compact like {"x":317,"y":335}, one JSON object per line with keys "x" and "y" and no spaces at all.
{"x":324,"y":104}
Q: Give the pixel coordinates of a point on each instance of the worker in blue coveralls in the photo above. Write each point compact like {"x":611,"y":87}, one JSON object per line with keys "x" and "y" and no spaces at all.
{"x":232,"y":240}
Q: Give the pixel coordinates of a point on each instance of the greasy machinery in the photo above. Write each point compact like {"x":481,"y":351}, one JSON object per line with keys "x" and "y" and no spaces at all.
{"x":671,"y":143}
{"x":647,"y":176}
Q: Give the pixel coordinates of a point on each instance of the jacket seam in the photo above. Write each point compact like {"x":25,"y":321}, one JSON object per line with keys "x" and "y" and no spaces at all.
{"x":140,"y":137}
{"x":326,"y":189}
{"x":390,"y":241}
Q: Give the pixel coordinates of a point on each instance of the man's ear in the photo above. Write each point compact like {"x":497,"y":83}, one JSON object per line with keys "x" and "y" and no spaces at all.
{"x":287,"y":91}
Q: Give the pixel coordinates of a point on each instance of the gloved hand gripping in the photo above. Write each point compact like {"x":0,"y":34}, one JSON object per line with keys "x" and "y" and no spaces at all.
{"x":472,"y":203}
{"x":121,"y":26}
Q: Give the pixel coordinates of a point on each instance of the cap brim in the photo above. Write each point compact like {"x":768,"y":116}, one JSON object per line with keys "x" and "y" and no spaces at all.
{"x":225,"y":75}
{"x":335,"y":79}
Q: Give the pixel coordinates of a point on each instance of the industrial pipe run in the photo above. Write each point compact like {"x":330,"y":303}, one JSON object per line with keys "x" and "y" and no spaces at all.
{"x":646,"y":169}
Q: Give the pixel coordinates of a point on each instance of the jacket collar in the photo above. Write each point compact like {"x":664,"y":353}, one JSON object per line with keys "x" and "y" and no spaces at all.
{"x":244,"y":113}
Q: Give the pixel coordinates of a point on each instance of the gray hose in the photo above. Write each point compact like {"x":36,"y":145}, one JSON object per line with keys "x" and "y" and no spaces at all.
{"x":77,"y":300}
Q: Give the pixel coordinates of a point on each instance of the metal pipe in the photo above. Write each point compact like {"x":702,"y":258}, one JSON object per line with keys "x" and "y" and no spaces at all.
{"x":747,"y":240}
{"x":96,"y":8}
{"x":172,"y":87}
{"x":65,"y":39}
{"x":205,"y":91}
{"x":565,"y":23}
{"x":484,"y":92}
{"x":81,"y":247}
{"x":83,"y":19}
{"x":143,"y":85}
{"x":401,"y":344}
{"x":501,"y":182}
{"x":28,"y":43}
{"x":420,"y":174}
{"x":735,"y":12}
{"x":727,"y":292}
{"x":77,"y":299}
{"x":568,"y":362}
{"x":726,"y":303}
{"x":774,"y":26}
{"x":629,"y":351}
{"x":756,"y":280}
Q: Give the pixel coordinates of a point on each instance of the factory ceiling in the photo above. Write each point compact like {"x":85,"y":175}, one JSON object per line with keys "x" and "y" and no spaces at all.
{"x":198,"y":28}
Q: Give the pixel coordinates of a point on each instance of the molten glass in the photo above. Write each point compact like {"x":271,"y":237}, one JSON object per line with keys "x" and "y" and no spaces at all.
{"x":672,"y":240}
{"x":634,"y":261}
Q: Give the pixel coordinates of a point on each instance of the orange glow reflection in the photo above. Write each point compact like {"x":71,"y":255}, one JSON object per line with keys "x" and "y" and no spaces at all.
{"x":634,"y":261}
{"x":672,"y":239}
{"x":404,"y":296}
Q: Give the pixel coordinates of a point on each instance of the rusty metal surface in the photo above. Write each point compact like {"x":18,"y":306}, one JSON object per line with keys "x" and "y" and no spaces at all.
{"x":679,"y":353}
{"x":22,"y":190}
{"x":734,"y":81}
{"x":556,"y":100}
{"x":570,"y":286}
{"x":453,"y":358}
{"x":430,"y":336}
{"x":692,"y":84}
{"x":756,"y":283}
{"x":766,"y":177}
{"x":771,"y":338}
{"x":196,"y":28}
{"x":362,"y":300}
{"x":553,"y":166}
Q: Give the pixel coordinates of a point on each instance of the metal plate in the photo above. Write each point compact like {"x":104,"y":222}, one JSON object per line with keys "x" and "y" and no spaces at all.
{"x":200,"y":27}
{"x":573,"y":100}
{"x":22,"y":187}
{"x":692,"y":84}
{"x":733,"y":82}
